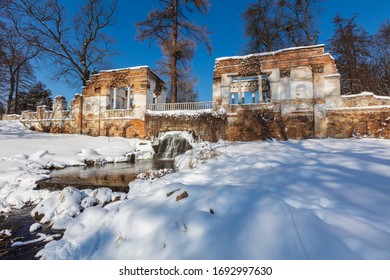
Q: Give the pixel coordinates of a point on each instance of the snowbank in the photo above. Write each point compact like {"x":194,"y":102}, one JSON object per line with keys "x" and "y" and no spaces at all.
{"x":312,"y":199}
{"x":26,"y":156}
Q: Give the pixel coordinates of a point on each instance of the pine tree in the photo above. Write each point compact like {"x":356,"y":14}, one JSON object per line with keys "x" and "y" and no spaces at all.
{"x":37,"y":95}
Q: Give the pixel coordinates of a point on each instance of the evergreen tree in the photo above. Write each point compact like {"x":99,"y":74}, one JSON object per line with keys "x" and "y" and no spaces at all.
{"x":37,"y":95}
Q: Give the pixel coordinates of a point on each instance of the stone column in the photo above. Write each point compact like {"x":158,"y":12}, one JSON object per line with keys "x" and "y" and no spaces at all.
{"x":260,"y":87}
{"x":239,"y":91}
{"x":128,"y":97}
{"x":114,"y":105}
{"x":221,"y":92}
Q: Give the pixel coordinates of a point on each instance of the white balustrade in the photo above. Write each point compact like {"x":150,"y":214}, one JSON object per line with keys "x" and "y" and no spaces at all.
{"x":192,"y":106}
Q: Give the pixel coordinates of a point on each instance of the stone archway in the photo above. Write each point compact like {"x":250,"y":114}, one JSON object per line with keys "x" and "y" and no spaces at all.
{"x":134,"y":129}
{"x":108,"y":127}
{"x":128,"y":131}
{"x":113,"y":130}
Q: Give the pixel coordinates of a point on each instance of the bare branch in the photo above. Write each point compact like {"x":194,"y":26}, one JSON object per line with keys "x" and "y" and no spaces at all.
{"x":176,"y":35}
{"x":78,"y":45}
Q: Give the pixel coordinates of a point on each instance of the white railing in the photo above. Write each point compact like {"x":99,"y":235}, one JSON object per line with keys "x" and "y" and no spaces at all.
{"x":181,"y":106}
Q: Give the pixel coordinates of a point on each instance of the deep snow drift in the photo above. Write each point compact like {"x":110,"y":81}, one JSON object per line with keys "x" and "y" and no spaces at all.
{"x":309,"y":199}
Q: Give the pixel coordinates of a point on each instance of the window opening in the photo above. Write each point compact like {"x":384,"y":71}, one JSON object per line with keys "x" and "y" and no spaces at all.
{"x":248,"y":90}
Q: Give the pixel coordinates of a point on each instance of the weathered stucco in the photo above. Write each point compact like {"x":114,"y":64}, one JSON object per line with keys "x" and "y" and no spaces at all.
{"x":302,"y":81}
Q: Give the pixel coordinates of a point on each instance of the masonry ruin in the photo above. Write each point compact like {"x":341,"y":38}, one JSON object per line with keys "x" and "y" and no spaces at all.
{"x":113,"y":103}
{"x":287,"y":94}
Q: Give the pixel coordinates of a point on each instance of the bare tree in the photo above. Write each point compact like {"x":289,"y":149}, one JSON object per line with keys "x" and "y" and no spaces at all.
{"x":276,"y":24}
{"x":302,"y":17}
{"x":380,"y":52}
{"x":350,"y":44}
{"x":187,"y":91}
{"x":266,"y":26}
{"x":75,"y":46}
{"x":15,"y":55}
{"x":175,"y":34}
{"x":185,"y":80}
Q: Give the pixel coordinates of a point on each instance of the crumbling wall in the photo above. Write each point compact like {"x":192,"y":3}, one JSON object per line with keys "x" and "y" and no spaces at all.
{"x":207,"y":126}
{"x":359,"y":122}
{"x":57,"y":120}
{"x":255,"y":124}
{"x":364,"y":99}
{"x":246,"y":124}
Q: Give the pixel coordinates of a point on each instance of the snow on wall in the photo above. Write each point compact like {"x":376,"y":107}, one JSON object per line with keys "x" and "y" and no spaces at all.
{"x":365,"y":93}
{"x":268,"y":53}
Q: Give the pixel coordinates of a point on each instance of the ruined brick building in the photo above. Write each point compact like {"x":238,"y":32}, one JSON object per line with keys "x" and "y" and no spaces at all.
{"x":287,"y":94}
{"x":113,"y":103}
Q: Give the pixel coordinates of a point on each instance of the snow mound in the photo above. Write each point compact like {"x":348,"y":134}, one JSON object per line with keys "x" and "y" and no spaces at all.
{"x":60,"y":207}
{"x":198,"y":155}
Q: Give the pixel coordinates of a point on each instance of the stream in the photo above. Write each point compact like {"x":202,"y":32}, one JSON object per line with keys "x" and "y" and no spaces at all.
{"x":115,"y":176}
{"x":19,"y":222}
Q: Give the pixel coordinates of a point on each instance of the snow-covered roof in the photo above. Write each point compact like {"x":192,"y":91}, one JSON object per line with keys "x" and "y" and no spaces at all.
{"x":127,"y":68}
{"x":268,"y":53}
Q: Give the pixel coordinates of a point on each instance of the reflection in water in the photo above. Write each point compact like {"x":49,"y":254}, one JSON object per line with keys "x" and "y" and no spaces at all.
{"x":115,"y":176}
{"x":19,"y":222}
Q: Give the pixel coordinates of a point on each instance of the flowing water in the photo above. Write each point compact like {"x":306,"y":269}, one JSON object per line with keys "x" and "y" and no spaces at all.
{"x":173,"y":143}
{"x":115,"y":176}
{"x":19,"y":222}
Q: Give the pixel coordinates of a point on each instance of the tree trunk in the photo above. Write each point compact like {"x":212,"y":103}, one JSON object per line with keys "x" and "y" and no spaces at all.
{"x":16,"y":91}
{"x":11,"y":92}
{"x":85,"y":77}
{"x":173,"y":58}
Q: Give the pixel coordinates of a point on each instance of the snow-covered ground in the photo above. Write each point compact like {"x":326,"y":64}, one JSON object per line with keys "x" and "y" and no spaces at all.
{"x":309,"y":199}
{"x":25,"y":156}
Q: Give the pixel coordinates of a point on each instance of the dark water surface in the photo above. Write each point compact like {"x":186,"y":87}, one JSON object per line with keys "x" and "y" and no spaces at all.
{"x":115,"y":176}
{"x":19,"y":222}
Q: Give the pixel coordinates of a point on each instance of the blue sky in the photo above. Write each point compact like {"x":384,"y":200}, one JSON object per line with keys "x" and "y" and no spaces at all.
{"x":224,"y":21}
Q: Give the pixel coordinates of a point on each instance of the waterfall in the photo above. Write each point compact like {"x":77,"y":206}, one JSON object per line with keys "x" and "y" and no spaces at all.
{"x":173,"y":143}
